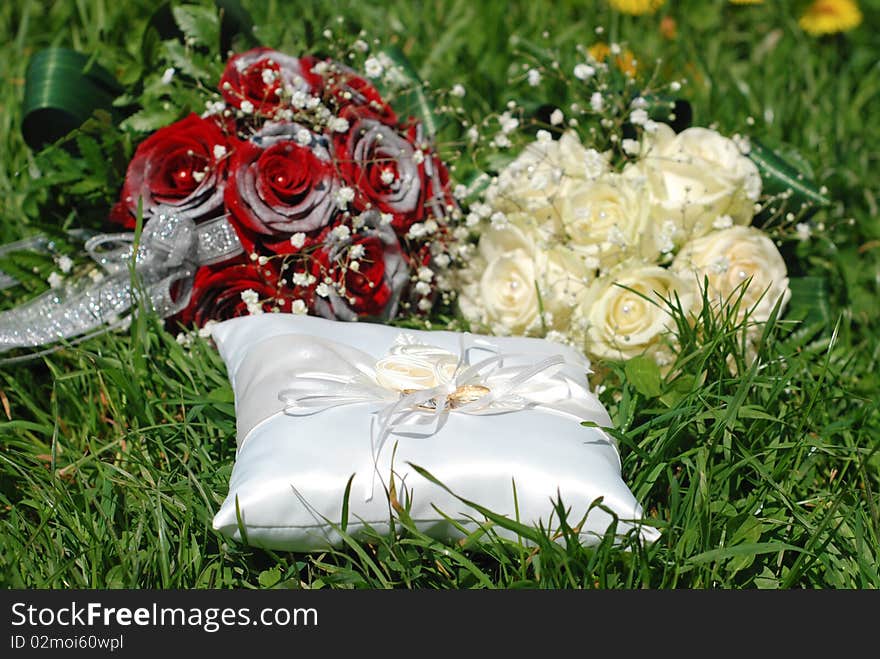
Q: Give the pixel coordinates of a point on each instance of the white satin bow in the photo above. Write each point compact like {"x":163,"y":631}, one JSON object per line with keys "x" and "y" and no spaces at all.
{"x":490,"y":386}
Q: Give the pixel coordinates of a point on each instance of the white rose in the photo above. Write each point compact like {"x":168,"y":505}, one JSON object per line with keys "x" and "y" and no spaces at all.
{"x":694,"y":178}
{"x":578,"y":162}
{"x":562,"y":277}
{"x":519,"y":232}
{"x":729,"y":258}
{"x":520,"y":284}
{"x":531,"y":182}
{"x":620,"y":323}
{"x":608,"y":219}
{"x":508,"y":293}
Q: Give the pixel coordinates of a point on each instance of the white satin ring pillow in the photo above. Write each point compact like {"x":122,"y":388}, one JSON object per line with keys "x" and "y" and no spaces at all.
{"x":497,"y":420}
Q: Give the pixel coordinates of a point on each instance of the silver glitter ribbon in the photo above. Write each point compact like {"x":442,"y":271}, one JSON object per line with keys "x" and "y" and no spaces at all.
{"x":170,"y":250}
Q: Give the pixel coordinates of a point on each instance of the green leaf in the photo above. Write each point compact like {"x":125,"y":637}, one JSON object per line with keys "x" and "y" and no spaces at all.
{"x":643,"y":373}
{"x":744,"y":549}
{"x":270,"y":577}
{"x":191,"y":63}
{"x":677,"y":389}
{"x":146,"y":121}
{"x":343,"y":523}
{"x":200,"y":24}
{"x":528,"y":532}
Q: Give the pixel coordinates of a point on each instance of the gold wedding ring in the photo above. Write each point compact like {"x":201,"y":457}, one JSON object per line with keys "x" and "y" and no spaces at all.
{"x":463,"y":395}
{"x":467,"y":393}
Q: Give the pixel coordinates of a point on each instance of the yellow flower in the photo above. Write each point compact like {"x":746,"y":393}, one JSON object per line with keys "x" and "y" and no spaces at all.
{"x":636,"y":7}
{"x":625,"y":61}
{"x":830,"y":16}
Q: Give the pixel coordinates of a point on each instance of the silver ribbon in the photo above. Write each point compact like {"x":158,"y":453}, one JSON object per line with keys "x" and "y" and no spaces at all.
{"x":170,"y":250}
{"x":501,"y":389}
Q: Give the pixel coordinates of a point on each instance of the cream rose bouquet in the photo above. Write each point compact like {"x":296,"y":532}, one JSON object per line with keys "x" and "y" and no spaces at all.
{"x":615,"y":219}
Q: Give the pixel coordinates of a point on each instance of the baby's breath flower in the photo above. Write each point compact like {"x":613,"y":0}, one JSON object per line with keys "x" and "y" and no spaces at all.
{"x":303,"y":279}
{"x":508,"y":123}
{"x":339,"y":125}
{"x":584,"y":71}
{"x":341,"y":232}
{"x":556,"y":117}
{"x":638,"y":117}
{"x":458,"y":90}
{"x":65,"y":263}
{"x":56,"y":280}
{"x":373,"y":67}
{"x":498,"y":220}
{"x":416,"y":230}
{"x":344,"y":195}
{"x":303,"y":137}
{"x":501,"y":141}
{"x":205,"y":330}
{"x":298,"y":239}
{"x":630,"y":147}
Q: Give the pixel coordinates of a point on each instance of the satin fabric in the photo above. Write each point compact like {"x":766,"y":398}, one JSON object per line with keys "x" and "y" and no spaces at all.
{"x":291,"y":471}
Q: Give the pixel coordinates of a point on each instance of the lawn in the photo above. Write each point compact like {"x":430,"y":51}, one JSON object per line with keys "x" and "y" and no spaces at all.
{"x":115,"y":454}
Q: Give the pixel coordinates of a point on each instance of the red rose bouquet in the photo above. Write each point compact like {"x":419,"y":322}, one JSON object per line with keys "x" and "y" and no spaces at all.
{"x":339,"y":205}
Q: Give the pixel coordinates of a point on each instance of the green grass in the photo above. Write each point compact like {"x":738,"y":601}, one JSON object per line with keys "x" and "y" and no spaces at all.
{"x":114,"y":455}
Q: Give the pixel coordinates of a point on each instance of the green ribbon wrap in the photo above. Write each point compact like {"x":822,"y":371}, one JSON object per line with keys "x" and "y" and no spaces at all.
{"x":790,"y":176}
{"x":62,"y":89}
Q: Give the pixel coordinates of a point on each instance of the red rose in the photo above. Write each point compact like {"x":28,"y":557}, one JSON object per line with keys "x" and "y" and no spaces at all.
{"x":263,"y":77}
{"x":386,"y":171}
{"x":372,"y":289}
{"x":182,"y":166}
{"x":342,"y":88}
{"x":217,"y":292}
{"x":438,"y":196}
{"x":278,"y":187}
